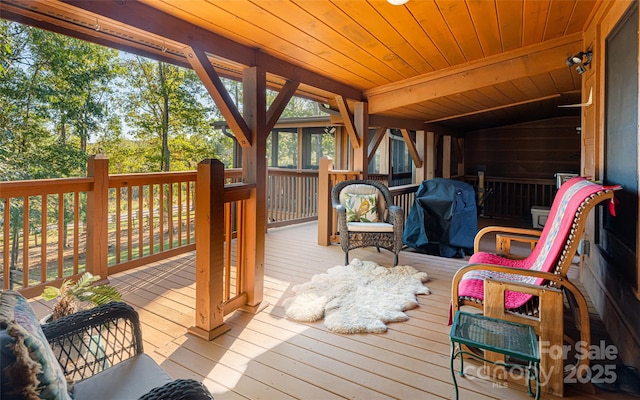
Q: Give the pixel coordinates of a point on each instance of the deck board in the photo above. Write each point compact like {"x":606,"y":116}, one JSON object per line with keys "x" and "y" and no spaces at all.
{"x":266,"y":356}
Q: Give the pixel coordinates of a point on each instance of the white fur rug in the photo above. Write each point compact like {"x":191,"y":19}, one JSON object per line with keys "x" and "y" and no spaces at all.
{"x":360,"y":297}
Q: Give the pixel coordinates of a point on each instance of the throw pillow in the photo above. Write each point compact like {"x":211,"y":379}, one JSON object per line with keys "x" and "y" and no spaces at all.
{"x":361,"y":207}
{"x":33,"y":370}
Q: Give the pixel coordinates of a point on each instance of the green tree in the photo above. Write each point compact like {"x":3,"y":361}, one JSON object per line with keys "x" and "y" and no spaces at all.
{"x":76,"y":82}
{"x":166,"y":102}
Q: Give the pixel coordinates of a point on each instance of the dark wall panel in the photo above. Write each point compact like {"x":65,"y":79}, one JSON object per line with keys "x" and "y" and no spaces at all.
{"x":535,"y":150}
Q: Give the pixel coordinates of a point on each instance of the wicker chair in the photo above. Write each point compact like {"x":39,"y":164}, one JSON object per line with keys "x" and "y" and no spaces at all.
{"x":523,"y":283}
{"x":385,"y":231}
{"x":99,"y":350}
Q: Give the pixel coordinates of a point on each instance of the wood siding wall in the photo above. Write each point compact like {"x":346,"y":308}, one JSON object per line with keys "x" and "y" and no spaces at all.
{"x":534,"y":150}
{"x":610,"y":290}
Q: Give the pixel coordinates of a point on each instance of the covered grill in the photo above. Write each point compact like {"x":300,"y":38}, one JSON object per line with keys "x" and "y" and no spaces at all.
{"x":443,"y":219}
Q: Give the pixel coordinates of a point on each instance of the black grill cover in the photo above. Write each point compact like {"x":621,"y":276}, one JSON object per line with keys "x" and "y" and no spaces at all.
{"x":443,"y":219}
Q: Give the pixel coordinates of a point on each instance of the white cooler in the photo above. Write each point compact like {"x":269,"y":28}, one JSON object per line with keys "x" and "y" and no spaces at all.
{"x":539,"y":215}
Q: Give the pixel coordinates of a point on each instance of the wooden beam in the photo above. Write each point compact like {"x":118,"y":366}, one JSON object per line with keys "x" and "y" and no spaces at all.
{"x":280,"y":103}
{"x":143,"y":16}
{"x":412,"y":148}
{"x":87,"y":34}
{"x":347,"y":120}
{"x":388,"y":122}
{"x":375,"y":142}
{"x":209,"y":77}
{"x":539,"y":58}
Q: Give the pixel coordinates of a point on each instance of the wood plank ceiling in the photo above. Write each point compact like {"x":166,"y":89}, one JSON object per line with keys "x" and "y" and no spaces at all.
{"x":462,"y":65}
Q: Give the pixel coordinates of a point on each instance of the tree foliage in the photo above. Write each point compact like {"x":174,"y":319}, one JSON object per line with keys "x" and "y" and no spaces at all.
{"x":62,"y":99}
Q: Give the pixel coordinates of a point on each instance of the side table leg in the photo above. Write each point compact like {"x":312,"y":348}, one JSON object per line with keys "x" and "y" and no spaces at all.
{"x":453,"y":373}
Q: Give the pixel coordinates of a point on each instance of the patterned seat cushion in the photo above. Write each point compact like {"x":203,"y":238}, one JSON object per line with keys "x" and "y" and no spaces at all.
{"x":29,"y":367}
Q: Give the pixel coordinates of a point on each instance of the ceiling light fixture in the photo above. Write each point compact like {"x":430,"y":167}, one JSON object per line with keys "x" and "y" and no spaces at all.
{"x":397,"y":2}
{"x":580,"y":60}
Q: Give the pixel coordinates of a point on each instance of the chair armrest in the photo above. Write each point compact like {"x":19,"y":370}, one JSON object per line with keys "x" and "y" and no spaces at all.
{"x":558,"y":280}
{"x":502,"y":229}
{"x":92,"y":340}
{"x":180,"y":389}
{"x":396,"y":216}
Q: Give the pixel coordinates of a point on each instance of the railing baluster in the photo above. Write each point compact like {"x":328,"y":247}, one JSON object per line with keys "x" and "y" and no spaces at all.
{"x":140,"y":221}
{"x":76,"y":231}
{"x":129,"y":223}
{"x":151,"y":220}
{"x":179,"y":213}
{"x":43,"y":241}
{"x":170,"y":215}
{"x":60,"y":235}
{"x":5,"y":244}
{"x":118,"y":193}
{"x":161,"y":223}
{"x":228,"y":235}
{"x":240,"y":250}
{"x":188,"y":211}
{"x":25,"y":243}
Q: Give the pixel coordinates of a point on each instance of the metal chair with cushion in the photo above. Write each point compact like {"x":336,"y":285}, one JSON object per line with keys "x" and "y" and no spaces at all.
{"x":367,"y":217}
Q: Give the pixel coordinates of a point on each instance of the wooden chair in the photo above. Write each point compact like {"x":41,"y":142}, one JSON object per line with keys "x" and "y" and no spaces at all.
{"x":352,"y":199}
{"x":526,"y":287}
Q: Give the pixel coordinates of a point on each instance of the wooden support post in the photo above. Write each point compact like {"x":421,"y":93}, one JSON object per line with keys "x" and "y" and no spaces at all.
{"x":446,"y":156}
{"x":324,"y":201}
{"x":431,"y":154}
{"x":418,"y":174}
{"x":460,"y":156}
{"x":361,"y":124}
{"x":209,"y":250}
{"x":304,"y":149}
{"x":341,"y":149}
{"x":254,"y":170}
{"x":97,"y":216}
{"x":385,"y":154}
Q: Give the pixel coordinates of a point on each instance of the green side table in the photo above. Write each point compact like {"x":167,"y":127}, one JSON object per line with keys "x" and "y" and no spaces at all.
{"x":499,"y":336}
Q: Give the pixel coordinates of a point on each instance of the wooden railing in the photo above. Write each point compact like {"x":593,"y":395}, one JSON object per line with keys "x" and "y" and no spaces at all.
{"x":392,"y":180}
{"x":292,"y":196}
{"x":404,"y":196}
{"x":58,"y":228}
{"x":113,"y":223}
{"x":37,"y":248}
{"x":513,"y":198}
{"x":151,"y":216}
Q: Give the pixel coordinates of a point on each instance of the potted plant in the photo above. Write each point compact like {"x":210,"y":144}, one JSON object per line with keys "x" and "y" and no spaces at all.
{"x":72,"y":296}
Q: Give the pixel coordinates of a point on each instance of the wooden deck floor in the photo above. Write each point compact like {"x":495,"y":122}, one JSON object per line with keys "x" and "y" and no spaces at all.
{"x":266,"y":356}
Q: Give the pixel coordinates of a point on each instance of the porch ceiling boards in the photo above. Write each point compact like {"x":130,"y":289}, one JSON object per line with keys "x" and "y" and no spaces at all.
{"x":266,"y":356}
{"x":458,"y":64}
